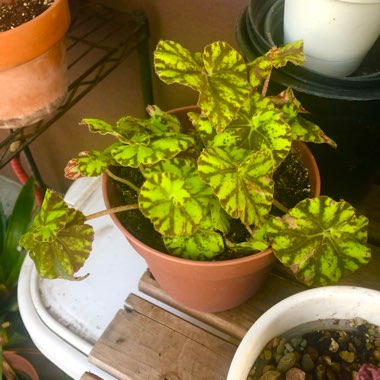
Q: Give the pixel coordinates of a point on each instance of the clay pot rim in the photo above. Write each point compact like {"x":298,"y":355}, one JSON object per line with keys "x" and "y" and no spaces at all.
{"x":34,"y":37}
{"x":314,"y":182}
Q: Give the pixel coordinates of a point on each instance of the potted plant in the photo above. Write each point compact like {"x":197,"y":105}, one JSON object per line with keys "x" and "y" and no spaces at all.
{"x":12,"y":333}
{"x":334,"y":330}
{"x":208,"y":187}
{"x":33,"y":72}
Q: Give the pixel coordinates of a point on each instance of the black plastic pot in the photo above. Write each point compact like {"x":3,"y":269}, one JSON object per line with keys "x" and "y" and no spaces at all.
{"x":347,"y":109}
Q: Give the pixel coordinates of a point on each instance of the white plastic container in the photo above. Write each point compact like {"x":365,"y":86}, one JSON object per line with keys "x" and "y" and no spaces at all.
{"x":337,"y":34}
{"x":330,"y":302}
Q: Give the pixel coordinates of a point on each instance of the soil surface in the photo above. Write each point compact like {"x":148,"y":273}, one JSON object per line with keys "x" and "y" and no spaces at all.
{"x":327,"y":354}
{"x":16,"y":12}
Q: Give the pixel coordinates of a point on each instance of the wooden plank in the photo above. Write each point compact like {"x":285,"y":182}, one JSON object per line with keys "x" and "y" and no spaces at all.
{"x":278,"y":286}
{"x":234,"y":322}
{"x":148,"y":342}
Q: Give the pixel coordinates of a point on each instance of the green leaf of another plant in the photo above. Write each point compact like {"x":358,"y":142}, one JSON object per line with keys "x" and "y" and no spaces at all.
{"x":58,"y":240}
{"x":242,"y":180}
{"x":320,"y":240}
{"x":18,"y":222}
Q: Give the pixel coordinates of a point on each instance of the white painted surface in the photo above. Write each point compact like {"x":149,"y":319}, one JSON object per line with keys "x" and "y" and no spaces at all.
{"x":65,"y":318}
{"x":330,"y":302}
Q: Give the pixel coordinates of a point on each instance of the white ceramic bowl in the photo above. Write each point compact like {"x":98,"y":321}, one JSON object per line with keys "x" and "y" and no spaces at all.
{"x":337,"y":302}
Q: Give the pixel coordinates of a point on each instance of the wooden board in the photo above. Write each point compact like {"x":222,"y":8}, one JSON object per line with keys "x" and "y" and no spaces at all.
{"x":90,"y":376}
{"x":147,"y":342}
{"x":278,"y":286}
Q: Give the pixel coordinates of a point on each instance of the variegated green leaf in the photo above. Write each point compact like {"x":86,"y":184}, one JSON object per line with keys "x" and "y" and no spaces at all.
{"x":248,"y":247}
{"x":161,"y":121}
{"x":220,"y":219}
{"x":175,"y":205}
{"x":98,"y":126}
{"x":225,"y":85}
{"x":259,"y":70}
{"x":204,"y":244}
{"x":175,"y":64}
{"x":302,"y":129}
{"x":203,"y":126}
{"x":179,"y":166}
{"x":90,"y":164}
{"x":58,"y":240}
{"x":307,"y":131}
{"x":261,"y":67}
{"x":320,"y":240}
{"x":260,"y":125}
{"x":291,"y":52}
{"x":219,"y":74}
{"x":257,"y":242}
{"x":242,"y":180}
{"x":160,"y":148}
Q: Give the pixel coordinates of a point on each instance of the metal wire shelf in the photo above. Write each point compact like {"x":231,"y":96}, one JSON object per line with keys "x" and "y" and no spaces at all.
{"x":99,"y":39}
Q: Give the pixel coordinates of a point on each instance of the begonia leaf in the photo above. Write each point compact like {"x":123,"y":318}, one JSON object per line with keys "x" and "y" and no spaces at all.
{"x":59,"y":241}
{"x":320,"y":240}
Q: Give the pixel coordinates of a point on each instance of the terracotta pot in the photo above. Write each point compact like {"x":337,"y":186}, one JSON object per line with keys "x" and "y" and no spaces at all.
{"x":33,"y":70}
{"x":20,"y":364}
{"x":204,"y":285}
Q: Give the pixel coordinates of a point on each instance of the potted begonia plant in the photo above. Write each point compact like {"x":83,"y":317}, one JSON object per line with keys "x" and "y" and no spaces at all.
{"x":210,"y":188}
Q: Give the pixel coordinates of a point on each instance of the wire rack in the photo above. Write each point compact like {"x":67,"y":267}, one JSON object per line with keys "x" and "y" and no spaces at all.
{"x":98,"y":40}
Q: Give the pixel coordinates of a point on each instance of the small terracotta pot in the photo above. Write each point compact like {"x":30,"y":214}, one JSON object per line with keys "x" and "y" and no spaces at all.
{"x":33,"y":69}
{"x":20,"y":364}
{"x":208,"y":286}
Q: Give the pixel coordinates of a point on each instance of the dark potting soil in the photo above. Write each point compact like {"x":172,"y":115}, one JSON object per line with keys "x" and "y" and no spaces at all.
{"x":324,"y":354}
{"x":16,"y":12}
{"x":292,"y":185}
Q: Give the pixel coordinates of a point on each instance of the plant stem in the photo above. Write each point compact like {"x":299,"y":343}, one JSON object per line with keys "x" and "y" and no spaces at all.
{"x":266,"y":84}
{"x":280,"y":206}
{"x":113,"y":210}
{"x":122,"y":180}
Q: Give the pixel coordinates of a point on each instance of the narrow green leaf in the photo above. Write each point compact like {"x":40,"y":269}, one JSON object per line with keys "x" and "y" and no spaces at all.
{"x":17,"y":224}
{"x":320,"y":240}
{"x":59,"y":241}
